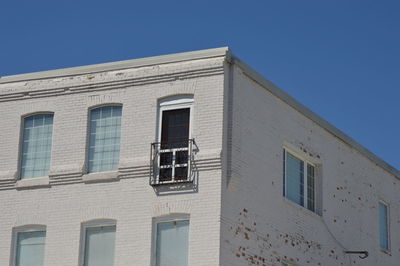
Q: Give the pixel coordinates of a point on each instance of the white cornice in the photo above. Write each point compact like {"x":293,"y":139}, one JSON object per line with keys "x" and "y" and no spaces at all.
{"x":133,"y":63}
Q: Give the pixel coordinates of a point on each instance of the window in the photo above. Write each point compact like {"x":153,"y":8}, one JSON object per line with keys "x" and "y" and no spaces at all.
{"x":299,"y":181}
{"x":173,"y":150}
{"x":29,"y":244}
{"x":172,"y":241}
{"x":98,"y":244}
{"x":36,"y":145}
{"x":384,"y":225}
{"x":104,"y":140}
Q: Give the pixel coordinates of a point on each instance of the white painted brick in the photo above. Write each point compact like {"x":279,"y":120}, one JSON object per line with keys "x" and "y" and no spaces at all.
{"x":238,"y":216}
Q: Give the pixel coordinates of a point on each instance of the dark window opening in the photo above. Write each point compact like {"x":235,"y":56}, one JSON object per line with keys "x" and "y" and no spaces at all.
{"x":174,"y":144}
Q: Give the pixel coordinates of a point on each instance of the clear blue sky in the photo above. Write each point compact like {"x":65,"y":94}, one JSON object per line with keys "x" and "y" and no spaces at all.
{"x":341,"y":58}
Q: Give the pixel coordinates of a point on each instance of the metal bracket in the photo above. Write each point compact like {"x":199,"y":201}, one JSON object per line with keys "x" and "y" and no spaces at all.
{"x":363,"y":252}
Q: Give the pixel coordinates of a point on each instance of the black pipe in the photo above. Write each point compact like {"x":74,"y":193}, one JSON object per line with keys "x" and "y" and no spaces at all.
{"x":364,"y":253}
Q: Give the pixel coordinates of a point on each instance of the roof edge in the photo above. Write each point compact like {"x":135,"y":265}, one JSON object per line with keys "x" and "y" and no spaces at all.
{"x":272,"y":88}
{"x":204,"y":54}
{"x":118,"y":65}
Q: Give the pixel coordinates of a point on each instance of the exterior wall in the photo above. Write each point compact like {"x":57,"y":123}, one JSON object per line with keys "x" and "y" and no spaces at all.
{"x":261,"y":227}
{"x":130,"y":200}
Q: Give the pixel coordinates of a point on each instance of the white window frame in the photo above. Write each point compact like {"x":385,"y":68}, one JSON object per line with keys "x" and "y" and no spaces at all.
{"x":305,"y":179}
{"x":14,"y":240}
{"x":93,"y":224}
{"x":174,"y":103}
{"x":387,"y":225}
{"x":88,"y":133}
{"x":163,"y":219}
{"x":21,"y":141}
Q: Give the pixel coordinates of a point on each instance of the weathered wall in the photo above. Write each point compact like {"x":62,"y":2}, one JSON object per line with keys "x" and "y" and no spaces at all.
{"x":131,"y":201}
{"x":260,"y":226}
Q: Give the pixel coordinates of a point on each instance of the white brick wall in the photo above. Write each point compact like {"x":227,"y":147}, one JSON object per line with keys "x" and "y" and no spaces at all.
{"x":238,"y":215}
{"x":131,"y":201}
{"x":261,"y":227}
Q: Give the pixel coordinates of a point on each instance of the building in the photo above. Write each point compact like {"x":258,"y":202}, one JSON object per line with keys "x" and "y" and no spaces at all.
{"x":184,"y":159}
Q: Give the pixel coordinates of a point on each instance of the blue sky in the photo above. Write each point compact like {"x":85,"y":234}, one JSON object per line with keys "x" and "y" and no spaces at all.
{"x":341,"y":58}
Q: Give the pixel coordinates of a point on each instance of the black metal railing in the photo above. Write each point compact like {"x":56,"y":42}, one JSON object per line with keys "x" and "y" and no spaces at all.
{"x":171,"y":162}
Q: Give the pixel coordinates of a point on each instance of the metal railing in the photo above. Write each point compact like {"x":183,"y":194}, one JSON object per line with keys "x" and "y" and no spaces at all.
{"x":171,"y":162}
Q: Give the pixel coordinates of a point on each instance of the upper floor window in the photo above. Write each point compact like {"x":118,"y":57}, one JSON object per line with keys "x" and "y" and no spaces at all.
{"x":36,"y":145}
{"x":172,"y":241}
{"x":384,"y":226}
{"x":299,"y":181}
{"x":104,"y":140}
{"x":29,"y":246}
{"x":172,"y":153}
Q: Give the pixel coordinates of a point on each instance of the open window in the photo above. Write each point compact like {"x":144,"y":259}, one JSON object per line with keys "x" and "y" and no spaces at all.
{"x":172,"y":153}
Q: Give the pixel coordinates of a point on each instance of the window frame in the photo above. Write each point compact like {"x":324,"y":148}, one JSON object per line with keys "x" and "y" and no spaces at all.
{"x":387,"y":205}
{"x":88,"y":133}
{"x":93,"y":224}
{"x":31,"y":228}
{"x":168,"y":104}
{"x":175,"y":103}
{"x":165,"y":219}
{"x":21,"y":142}
{"x":305,"y":163}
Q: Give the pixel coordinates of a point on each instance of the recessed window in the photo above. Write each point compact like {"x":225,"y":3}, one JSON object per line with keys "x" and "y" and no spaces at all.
{"x":99,"y":245}
{"x":36,"y":145}
{"x":299,"y":181}
{"x":104,"y":140}
{"x":173,"y":149}
{"x":171,"y":242}
{"x":384,"y":226}
{"x":29,"y":246}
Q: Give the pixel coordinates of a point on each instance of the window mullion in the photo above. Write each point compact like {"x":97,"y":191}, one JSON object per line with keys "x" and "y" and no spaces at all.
{"x":173,"y":164}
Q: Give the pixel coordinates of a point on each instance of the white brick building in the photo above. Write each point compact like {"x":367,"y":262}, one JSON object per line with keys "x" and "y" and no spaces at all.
{"x":239,"y":172}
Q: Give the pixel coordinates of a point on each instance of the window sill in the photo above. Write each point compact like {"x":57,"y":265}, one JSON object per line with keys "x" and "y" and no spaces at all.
{"x":100,"y":177}
{"x":302,"y":209}
{"x":33,"y":182}
{"x":386,"y":251}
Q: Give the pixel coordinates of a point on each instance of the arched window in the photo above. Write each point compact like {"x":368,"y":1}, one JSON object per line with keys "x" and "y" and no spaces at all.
{"x":174,"y":147}
{"x":28,"y":245}
{"x":171,"y":240}
{"x":104,"y":138}
{"x":98,"y":243}
{"x":36,"y":145}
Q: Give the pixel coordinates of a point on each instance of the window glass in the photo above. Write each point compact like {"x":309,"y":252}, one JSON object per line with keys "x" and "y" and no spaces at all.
{"x":294,"y":179}
{"x":299,"y":181}
{"x":99,"y":246}
{"x":310,"y":187}
{"x":36,"y":146}
{"x":383,"y":226}
{"x":104,"y":142}
{"x":172,"y":243}
{"x":30,"y":248}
